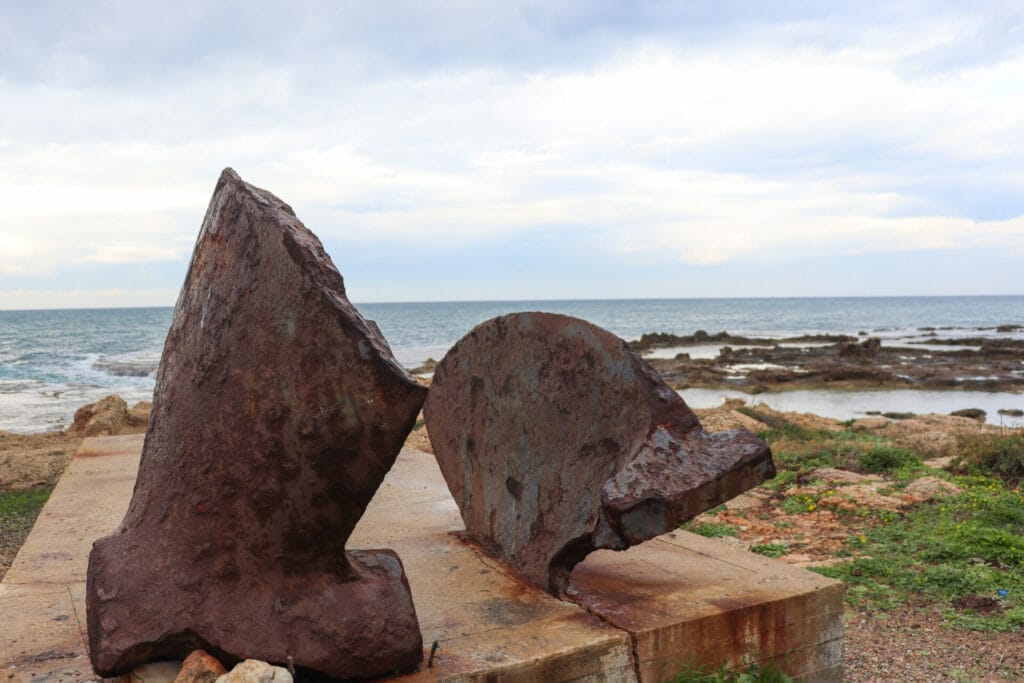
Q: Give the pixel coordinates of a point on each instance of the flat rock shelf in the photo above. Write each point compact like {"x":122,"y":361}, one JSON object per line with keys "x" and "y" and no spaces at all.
{"x":641,"y":614}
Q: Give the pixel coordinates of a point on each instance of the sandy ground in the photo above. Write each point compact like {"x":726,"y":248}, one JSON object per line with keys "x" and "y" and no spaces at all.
{"x":34,"y":460}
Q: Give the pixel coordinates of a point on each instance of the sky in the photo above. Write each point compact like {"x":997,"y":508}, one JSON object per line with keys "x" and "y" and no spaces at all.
{"x":520,"y":150}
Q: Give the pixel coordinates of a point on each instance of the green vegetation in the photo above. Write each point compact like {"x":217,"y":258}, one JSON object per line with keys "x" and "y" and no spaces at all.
{"x":798,"y":504}
{"x":18,"y":512}
{"x":16,"y":505}
{"x":965,"y":554}
{"x":711,"y":529}
{"x":798,"y":449}
{"x":962,"y":554}
{"x":778,"y":426}
{"x":882,"y":459}
{"x":783,"y":479}
{"x":755,"y":673}
{"x":996,"y":456}
{"x":769,"y":549}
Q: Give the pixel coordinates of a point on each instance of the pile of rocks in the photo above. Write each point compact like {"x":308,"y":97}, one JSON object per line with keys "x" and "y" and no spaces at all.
{"x":202,"y":667}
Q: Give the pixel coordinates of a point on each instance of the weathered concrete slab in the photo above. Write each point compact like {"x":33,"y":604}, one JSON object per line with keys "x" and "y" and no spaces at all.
{"x":489,"y":624}
{"x":42,"y":597}
{"x":88,"y":501}
{"x":685,"y":598}
{"x":680,"y":596}
{"x":41,"y":638}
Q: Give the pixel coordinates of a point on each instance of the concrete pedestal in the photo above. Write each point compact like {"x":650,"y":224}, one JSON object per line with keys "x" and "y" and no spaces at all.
{"x":645,"y":612}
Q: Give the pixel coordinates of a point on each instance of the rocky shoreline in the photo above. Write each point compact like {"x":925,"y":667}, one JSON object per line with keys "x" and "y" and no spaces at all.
{"x":756,"y":365}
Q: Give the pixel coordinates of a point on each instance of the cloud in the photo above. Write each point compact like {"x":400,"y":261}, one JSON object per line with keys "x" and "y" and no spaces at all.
{"x":23,"y":299}
{"x":701,"y":136}
{"x":131,"y":252}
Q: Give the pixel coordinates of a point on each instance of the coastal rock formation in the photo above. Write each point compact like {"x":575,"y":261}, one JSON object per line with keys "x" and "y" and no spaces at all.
{"x":810,"y":362}
{"x":109,"y":415}
{"x":556,"y":439}
{"x":866,"y":349}
{"x":277,"y":412}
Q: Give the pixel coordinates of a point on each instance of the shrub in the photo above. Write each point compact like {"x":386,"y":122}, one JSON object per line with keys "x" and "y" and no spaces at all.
{"x":1000,"y":456}
{"x":769,"y":549}
{"x":886,"y":459}
{"x":755,"y":673}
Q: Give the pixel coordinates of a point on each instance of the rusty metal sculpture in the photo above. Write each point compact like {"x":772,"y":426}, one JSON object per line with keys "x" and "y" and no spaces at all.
{"x":277,"y":412}
{"x":556,"y":439}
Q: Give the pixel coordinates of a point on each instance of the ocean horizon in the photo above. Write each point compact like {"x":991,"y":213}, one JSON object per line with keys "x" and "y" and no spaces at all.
{"x":54,"y":360}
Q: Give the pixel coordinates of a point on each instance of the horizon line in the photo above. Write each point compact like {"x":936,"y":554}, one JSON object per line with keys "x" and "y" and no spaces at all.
{"x":569,"y":300}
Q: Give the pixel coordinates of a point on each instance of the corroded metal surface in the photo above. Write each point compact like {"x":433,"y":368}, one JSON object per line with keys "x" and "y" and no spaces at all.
{"x":556,"y":439}
{"x":277,"y":412}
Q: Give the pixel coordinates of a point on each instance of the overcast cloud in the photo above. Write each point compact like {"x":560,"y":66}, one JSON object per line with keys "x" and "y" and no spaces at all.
{"x":520,"y":150}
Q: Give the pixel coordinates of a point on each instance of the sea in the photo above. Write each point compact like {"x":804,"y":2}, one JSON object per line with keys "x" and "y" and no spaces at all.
{"x":54,"y":361}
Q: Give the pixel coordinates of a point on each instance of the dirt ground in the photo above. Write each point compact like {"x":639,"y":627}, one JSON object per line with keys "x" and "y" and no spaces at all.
{"x":910,"y":644}
{"x":34,"y":460}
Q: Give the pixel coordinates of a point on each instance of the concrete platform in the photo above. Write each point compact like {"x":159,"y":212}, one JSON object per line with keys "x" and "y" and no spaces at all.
{"x":645,"y":612}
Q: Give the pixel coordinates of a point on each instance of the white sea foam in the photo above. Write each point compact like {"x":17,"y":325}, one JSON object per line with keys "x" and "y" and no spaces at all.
{"x":38,"y":407}
{"x":139,"y":364}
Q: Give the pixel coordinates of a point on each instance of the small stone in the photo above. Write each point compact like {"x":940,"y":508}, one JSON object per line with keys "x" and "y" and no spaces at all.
{"x":200,"y":667}
{"x":255,"y":671}
{"x":154,"y":672}
{"x":836,"y":476}
{"x":869,"y":423}
{"x":940,"y":463}
{"x":927,"y":488}
{"x":973,"y":413}
{"x":747,"y":502}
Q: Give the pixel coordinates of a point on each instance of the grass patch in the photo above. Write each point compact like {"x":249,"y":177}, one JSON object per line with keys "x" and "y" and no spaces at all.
{"x":799,"y":504}
{"x":993,"y":455}
{"x":17,"y":505}
{"x":711,"y":529}
{"x":769,"y":549}
{"x":18,"y":512}
{"x":965,"y":553}
{"x":883,"y":459}
{"x":809,"y":450}
{"x":777,"y":426}
{"x":783,"y":479}
{"x":962,"y":555}
{"x":755,"y":673}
